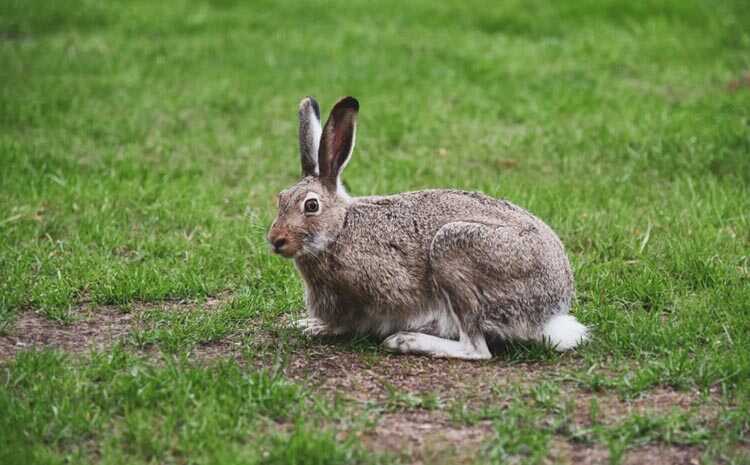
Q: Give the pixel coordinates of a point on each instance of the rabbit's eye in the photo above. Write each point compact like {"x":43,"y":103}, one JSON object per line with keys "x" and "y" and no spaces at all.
{"x":311,"y":205}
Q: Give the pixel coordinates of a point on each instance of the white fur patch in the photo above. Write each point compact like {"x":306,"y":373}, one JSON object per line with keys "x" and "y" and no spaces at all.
{"x":315,"y":132}
{"x":418,"y":343}
{"x":317,"y":244}
{"x":564,"y":332}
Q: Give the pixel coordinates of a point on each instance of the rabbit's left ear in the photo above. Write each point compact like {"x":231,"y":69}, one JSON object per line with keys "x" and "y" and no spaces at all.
{"x":309,"y":135}
{"x":337,"y":142}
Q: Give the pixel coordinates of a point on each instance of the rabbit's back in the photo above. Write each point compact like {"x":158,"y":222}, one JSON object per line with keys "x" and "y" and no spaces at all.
{"x":407,"y":223}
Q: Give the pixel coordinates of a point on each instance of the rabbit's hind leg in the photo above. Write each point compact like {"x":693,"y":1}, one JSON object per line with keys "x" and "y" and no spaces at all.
{"x":464,"y":272}
{"x":469,"y":346}
{"x":425,"y":344}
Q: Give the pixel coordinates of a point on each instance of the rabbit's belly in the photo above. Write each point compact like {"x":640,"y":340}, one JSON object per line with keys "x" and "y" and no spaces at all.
{"x":436,"y":319}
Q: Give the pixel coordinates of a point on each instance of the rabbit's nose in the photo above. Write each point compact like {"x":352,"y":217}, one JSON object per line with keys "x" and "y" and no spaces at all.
{"x":278,"y":244}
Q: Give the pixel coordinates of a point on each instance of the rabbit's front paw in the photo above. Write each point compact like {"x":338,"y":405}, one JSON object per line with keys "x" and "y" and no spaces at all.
{"x":313,"y":327}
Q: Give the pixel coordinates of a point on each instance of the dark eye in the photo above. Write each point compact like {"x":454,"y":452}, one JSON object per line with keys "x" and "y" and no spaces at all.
{"x":311,"y":206}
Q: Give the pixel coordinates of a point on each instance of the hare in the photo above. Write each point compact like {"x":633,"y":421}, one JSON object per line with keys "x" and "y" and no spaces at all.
{"x":434,"y":272}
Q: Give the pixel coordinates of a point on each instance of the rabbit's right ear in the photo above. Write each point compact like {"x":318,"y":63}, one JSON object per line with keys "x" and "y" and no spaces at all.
{"x":309,"y":135}
{"x":337,"y":142}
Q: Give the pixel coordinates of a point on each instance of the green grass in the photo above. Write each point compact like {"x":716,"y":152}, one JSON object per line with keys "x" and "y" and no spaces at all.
{"x":141,"y":145}
{"x":134,"y":412}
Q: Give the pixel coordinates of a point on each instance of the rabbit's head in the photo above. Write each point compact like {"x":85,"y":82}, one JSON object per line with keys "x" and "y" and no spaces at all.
{"x":311,"y":212}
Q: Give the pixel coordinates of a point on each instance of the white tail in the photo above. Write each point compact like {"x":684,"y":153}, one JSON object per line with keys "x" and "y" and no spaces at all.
{"x":564,"y":332}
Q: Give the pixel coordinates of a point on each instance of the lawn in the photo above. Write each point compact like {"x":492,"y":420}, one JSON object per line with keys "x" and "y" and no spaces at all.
{"x":144,"y":320}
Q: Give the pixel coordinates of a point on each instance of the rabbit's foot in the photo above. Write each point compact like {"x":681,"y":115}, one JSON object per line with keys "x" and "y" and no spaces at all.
{"x":314,"y":327}
{"x":418,"y":343}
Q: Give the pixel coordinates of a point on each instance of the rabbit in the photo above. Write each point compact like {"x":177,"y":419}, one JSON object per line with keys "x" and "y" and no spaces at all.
{"x":436,"y":272}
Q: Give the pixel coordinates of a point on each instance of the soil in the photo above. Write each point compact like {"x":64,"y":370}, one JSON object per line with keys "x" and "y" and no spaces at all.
{"x":91,"y":330}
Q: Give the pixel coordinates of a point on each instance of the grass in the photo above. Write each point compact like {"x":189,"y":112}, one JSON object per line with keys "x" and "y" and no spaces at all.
{"x":141,"y":145}
{"x":133,"y":412}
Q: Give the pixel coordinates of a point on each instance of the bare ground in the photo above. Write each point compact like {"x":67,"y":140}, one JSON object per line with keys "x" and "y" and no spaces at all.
{"x":414,"y":433}
{"x":93,"y":328}
{"x":579,"y":454}
{"x":427,"y":437}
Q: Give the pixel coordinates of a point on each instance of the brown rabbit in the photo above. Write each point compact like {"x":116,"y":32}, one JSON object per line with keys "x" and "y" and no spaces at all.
{"x":435,"y":272}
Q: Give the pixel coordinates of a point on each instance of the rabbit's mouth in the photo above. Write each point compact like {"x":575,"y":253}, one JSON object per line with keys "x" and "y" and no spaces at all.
{"x":285,"y":248}
{"x":284,"y":245}
{"x":286,"y":252}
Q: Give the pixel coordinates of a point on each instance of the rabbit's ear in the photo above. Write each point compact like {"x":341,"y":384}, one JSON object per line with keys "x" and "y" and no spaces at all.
{"x":309,"y":135}
{"x":337,"y":142}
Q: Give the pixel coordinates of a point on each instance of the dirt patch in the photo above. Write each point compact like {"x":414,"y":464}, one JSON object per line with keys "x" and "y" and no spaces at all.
{"x":583,"y":454}
{"x":663,"y":454}
{"x":373,"y":376}
{"x":426,"y":437}
{"x":610,"y":407}
{"x":93,"y":328}
{"x":332,"y":366}
{"x":367,"y":377}
{"x":232,"y":346}
{"x":209,"y":304}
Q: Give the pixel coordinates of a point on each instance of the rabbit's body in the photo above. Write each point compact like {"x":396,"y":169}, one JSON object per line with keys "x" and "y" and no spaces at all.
{"x":397,"y":258}
{"x":438,"y":271}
